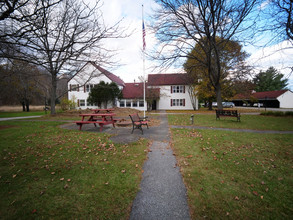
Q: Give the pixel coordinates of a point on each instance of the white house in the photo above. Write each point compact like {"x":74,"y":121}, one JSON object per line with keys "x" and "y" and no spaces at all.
{"x":82,"y":83}
{"x":167,"y":91}
{"x":286,"y":99}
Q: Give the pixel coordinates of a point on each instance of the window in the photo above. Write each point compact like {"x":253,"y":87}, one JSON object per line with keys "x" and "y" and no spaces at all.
{"x":177,"y":102}
{"x":74,"y":87}
{"x":177,"y":89}
{"x":81,"y":102}
{"x":134,"y":104}
{"x":141,"y":103}
{"x":122,"y":103}
{"x":89,"y":87}
{"x":128,"y":103}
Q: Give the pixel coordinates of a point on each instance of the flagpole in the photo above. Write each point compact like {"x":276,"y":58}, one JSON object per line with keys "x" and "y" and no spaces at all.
{"x":143,"y":58}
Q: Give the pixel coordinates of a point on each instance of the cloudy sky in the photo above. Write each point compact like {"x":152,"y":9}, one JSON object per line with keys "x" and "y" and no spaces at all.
{"x":129,"y":50}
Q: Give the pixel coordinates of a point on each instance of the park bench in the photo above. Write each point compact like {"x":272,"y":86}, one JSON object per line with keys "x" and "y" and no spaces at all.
{"x":138,"y":122}
{"x":227,"y":113}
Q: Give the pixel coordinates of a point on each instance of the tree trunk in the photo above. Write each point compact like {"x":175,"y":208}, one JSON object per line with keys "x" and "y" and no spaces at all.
{"x":27,"y":104}
{"x":210,"y":105}
{"x":219,"y":97}
{"x":53,"y":94}
{"x":23,"y":106}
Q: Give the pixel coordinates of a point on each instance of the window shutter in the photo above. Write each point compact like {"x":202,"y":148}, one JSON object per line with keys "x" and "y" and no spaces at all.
{"x":84,"y":88}
{"x":171,"y":91}
{"x":70,"y":87}
{"x":171,"y":102}
{"x":77,"y":102}
{"x":183,"y":89}
{"x":183,"y":102}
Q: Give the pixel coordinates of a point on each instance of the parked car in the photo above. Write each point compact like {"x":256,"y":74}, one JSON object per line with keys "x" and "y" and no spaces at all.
{"x":258,"y":105}
{"x":225,"y":104}
{"x":228,"y":104}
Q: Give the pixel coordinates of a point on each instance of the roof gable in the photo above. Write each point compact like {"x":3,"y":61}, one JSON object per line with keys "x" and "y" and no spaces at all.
{"x":168,"y":79}
{"x":110,"y":75}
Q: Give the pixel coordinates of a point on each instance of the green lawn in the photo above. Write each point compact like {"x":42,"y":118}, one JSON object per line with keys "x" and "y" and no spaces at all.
{"x":255,"y":122}
{"x":236,"y":175}
{"x":52,"y":173}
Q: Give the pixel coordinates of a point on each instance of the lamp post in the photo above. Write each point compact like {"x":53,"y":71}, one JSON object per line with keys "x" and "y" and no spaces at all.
{"x":191,"y":119}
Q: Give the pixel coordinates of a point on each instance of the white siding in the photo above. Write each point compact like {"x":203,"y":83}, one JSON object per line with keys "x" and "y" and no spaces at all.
{"x":286,"y":100}
{"x":165,"y":99}
{"x":132,"y":103}
{"x":88,"y":75}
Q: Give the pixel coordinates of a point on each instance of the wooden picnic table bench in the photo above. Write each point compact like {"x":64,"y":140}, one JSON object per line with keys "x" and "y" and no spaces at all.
{"x":138,"y":122}
{"x":227,"y":113}
{"x":105,"y":110}
{"x":101,"y":119}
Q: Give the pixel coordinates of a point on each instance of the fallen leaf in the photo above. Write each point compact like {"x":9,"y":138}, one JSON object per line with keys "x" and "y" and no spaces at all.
{"x":61,"y":179}
{"x":261,"y":197}
{"x":236,"y":198}
{"x":53,"y":173}
{"x":66,"y":186}
{"x":13,"y":176}
{"x":34,"y":211}
{"x":123,"y":171}
{"x":255,"y":193}
{"x":68,"y":180}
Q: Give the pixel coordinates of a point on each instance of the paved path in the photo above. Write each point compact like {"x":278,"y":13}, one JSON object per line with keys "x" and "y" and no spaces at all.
{"x":162,"y":193}
{"x":16,"y":118}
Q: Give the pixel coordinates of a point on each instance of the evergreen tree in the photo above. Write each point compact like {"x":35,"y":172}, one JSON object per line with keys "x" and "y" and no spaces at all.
{"x":103,"y":93}
{"x":270,"y":80}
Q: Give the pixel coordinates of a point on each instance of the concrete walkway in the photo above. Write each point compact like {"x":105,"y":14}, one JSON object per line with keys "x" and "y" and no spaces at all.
{"x":162,"y":192}
{"x":16,"y":118}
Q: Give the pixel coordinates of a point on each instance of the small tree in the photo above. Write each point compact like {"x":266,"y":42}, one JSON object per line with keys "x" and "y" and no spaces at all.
{"x":270,"y":80}
{"x":103,"y":93}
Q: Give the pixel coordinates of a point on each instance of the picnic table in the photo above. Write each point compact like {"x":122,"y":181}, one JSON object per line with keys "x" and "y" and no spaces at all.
{"x":97,"y":118}
{"x":105,"y":110}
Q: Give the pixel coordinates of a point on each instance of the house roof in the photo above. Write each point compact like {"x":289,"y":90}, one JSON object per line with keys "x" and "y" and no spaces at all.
{"x":167,"y":79}
{"x":110,"y":75}
{"x":261,"y":95}
{"x":135,"y":91}
{"x":269,"y":94}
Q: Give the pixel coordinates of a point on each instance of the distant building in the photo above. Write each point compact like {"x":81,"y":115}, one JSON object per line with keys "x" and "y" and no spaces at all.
{"x":270,"y":99}
{"x":163,"y":91}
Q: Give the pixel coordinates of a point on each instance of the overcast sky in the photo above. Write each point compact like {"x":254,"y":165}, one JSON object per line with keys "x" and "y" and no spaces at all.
{"x":129,"y":50}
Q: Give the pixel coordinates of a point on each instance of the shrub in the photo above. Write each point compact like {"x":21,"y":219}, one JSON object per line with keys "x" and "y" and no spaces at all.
{"x":67,"y":104}
{"x":277,"y":113}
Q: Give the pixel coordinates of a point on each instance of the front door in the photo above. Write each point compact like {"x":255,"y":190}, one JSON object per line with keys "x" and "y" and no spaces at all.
{"x":154,"y":105}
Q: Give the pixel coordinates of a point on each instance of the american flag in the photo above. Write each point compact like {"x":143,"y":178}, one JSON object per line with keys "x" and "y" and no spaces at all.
{"x":143,"y":36}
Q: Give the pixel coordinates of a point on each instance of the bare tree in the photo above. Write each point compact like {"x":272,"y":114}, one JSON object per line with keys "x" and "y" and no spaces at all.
{"x":279,"y":19}
{"x":60,"y":38}
{"x":182,"y":24}
{"x":8,"y":7}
